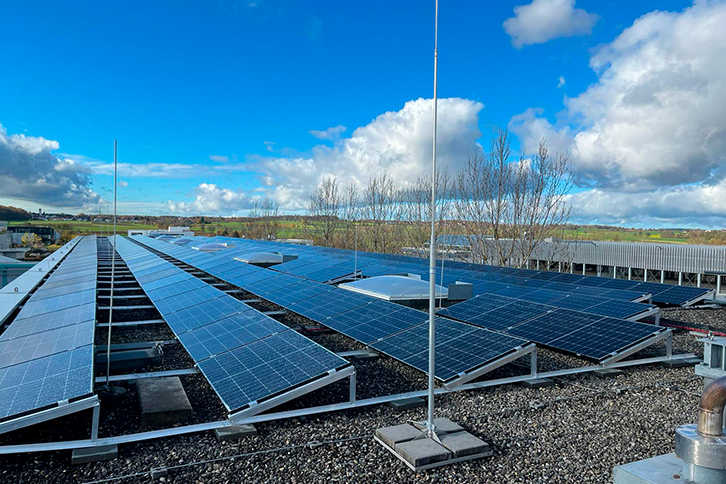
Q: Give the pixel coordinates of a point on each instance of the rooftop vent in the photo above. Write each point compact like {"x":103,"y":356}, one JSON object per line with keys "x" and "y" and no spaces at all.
{"x":395,"y":288}
{"x":264,"y":259}
{"x":212,"y":247}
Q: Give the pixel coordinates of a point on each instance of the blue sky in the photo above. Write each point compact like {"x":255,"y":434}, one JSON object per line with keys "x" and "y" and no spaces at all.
{"x":209,"y":98}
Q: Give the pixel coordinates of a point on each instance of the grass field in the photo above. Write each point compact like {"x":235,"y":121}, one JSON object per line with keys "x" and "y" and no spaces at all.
{"x":296,"y":228}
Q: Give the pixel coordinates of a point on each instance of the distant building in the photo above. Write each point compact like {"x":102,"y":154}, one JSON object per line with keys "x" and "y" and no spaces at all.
{"x":176,"y":231}
{"x":11,"y":268}
{"x":49,"y":235}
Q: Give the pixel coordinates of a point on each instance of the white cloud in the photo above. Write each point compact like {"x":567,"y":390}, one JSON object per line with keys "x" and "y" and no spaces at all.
{"x":209,"y":199}
{"x":543,"y":20}
{"x":269,"y":146}
{"x":123,"y":184}
{"x":690,"y":205}
{"x":219,"y":158}
{"x":165,"y":170}
{"x":653,"y":123}
{"x":30,"y":171}
{"x":330,"y":134}
{"x":560,"y":82}
{"x":397,"y":142}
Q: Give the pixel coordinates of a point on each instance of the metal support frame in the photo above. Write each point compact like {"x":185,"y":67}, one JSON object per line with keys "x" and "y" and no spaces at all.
{"x":698,"y":280}
{"x":151,"y":374}
{"x":645,"y":314}
{"x":680,"y":278}
{"x":256,"y":408}
{"x":630,"y":273}
{"x":482,"y":370}
{"x":352,"y":389}
{"x":667,"y":335}
{"x":132,"y":323}
{"x":709,"y":295}
{"x":61,"y":410}
{"x":645,"y":275}
{"x":268,"y":417}
{"x":615,"y":272}
{"x":584,"y":268}
{"x":662,"y":276}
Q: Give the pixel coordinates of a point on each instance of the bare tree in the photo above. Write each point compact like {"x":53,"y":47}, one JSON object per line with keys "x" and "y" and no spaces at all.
{"x":416,"y":209}
{"x":324,"y":207}
{"x":542,"y":208}
{"x":380,"y":212}
{"x":264,"y":221}
{"x":350,"y":213}
{"x":508,"y":208}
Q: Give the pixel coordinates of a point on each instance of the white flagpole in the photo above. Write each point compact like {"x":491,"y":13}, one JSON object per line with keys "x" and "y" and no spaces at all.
{"x":430,"y":429}
{"x":113,"y":266}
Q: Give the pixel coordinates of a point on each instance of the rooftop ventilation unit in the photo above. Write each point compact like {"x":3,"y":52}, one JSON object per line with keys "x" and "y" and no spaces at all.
{"x":410,"y":291}
{"x":212,"y":247}
{"x":262,"y":259}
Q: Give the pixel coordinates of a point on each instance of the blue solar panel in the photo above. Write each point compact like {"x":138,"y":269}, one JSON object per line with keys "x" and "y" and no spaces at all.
{"x":52,"y":304}
{"x":39,"y":345}
{"x":677,"y":295}
{"x":605,"y":338}
{"x":265,"y":367}
{"x":550,"y":326}
{"x":207,"y":312}
{"x":619,"y":309}
{"x":460,"y":348}
{"x":229,"y":333}
{"x":46,"y":381}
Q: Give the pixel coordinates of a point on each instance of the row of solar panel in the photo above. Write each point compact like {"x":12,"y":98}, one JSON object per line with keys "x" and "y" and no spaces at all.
{"x":581,"y":300}
{"x":590,"y":335}
{"x":46,"y":353}
{"x":345,"y":313}
{"x":383,"y":325}
{"x":334,"y":263}
{"x":245,"y":355}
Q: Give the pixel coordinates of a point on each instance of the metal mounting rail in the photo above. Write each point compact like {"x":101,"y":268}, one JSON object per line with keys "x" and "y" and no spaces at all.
{"x":132,"y":323}
{"x":268,"y":417}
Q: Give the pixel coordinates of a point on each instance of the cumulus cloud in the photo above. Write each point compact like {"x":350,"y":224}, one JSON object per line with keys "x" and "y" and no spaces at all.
{"x":543,"y":20}
{"x":561,"y":82}
{"x":654,"y":119}
{"x":212,"y":200}
{"x":396,"y":142}
{"x":689,"y":205}
{"x":30,"y":171}
{"x":269,"y":145}
{"x":330,"y":134}
{"x":219,"y":158}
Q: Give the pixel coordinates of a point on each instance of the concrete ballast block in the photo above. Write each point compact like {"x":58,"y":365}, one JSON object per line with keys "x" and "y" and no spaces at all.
{"x":407,"y":403}
{"x":442,"y":426}
{"x":422,"y":451}
{"x":163,"y":401}
{"x":462,"y":444}
{"x":608,"y":372}
{"x":538,"y":383}
{"x":94,"y":454}
{"x":235,"y":432}
{"x":397,"y":434}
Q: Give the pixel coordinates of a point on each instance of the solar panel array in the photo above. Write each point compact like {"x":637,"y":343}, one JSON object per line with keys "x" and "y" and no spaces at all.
{"x":46,"y":353}
{"x":345,"y":313}
{"x":337,"y":263}
{"x":245,"y":355}
{"x":370,"y":321}
{"x":586,"y":334}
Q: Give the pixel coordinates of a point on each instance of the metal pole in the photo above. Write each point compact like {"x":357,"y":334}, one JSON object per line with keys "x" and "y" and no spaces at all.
{"x":113,"y":266}
{"x":355,"y":257}
{"x":432,"y":245}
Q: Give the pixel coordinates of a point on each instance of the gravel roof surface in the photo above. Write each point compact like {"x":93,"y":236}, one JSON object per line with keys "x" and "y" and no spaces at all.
{"x":575,"y":431}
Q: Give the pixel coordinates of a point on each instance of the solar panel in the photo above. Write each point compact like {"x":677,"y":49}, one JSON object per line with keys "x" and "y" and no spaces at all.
{"x":471,"y":309}
{"x":265,"y":367}
{"x":510,"y":315}
{"x":514,"y":291}
{"x":229,"y":333}
{"x":45,"y":293}
{"x":46,"y":381}
{"x":460,"y":348}
{"x":186,"y":299}
{"x":577,"y":302}
{"x":52,"y":304}
{"x":326,"y":305}
{"x":38,"y":345}
{"x":604,"y":338}
{"x":621,"y":294}
{"x":678,"y":295}
{"x":550,"y":326}
{"x":542,"y":296}
{"x":619,"y":284}
{"x":207,"y":312}
{"x":619,"y":309}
